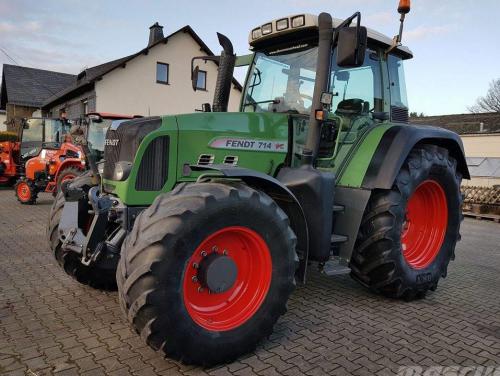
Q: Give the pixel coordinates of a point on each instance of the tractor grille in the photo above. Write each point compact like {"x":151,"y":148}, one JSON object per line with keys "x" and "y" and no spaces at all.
{"x":399,"y":114}
{"x":153,"y":171}
{"x":123,"y":141}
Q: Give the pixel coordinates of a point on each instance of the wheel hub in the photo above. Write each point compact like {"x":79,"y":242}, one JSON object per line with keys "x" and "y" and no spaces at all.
{"x":218,"y":273}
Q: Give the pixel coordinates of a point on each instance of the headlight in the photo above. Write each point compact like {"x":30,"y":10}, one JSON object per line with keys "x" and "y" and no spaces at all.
{"x":122,"y":170}
{"x":267,"y":29}
{"x":282,"y":24}
{"x":298,"y":21}
{"x":256,"y":33}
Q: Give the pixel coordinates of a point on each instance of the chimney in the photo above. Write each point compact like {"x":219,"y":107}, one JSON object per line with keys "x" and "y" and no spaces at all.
{"x":155,"y":33}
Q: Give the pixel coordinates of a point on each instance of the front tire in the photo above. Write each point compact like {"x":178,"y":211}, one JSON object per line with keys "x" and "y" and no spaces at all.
{"x":92,"y":275}
{"x":26,"y":191}
{"x":408,"y":234}
{"x":164,"y":281}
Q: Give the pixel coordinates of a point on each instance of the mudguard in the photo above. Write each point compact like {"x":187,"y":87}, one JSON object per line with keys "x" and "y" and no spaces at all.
{"x":397,"y":143}
{"x":283,"y":196}
{"x":70,"y":162}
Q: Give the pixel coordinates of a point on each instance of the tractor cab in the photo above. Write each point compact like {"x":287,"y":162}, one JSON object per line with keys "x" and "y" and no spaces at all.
{"x":91,"y":132}
{"x":360,"y":94}
{"x":38,"y":133}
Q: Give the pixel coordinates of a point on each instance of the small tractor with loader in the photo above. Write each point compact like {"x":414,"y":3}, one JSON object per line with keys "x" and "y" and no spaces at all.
{"x":205,"y":221}
{"x":59,"y":162}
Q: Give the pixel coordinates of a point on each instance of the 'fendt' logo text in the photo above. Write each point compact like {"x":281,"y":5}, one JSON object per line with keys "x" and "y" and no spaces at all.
{"x":112,"y":142}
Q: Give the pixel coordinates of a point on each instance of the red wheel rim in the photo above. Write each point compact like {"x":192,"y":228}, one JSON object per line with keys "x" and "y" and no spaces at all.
{"x":229,"y":309}
{"x":67,"y":177}
{"x":23,"y":191}
{"x":425,"y":225}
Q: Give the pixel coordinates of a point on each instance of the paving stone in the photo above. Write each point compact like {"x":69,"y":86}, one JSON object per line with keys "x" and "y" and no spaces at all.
{"x":52,"y":325}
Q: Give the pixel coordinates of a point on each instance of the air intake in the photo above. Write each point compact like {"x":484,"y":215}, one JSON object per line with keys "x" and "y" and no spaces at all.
{"x":153,"y":171}
{"x":399,"y":114}
{"x":206,"y":159}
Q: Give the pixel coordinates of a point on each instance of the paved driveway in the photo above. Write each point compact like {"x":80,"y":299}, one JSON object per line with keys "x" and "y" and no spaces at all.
{"x":50,"y":324}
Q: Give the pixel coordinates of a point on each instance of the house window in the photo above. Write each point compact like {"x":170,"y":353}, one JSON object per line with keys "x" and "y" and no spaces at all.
{"x":202,"y":80}
{"x":162,"y":73}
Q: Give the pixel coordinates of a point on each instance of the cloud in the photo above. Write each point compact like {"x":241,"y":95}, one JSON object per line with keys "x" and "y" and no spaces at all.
{"x":422,"y":32}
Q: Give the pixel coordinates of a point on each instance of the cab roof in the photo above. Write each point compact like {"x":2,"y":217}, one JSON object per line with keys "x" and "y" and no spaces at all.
{"x":311,"y":22}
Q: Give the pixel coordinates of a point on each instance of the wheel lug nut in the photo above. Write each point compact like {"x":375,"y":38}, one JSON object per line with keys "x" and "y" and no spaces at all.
{"x":215,"y":249}
{"x":194,"y":279}
{"x":224,"y":252}
{"x":204,"y":253}
{"x":200,"y":289}
{"x":195,"y":265}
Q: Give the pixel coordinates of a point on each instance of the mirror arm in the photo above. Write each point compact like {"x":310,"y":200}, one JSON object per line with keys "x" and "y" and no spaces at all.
{"x":346,"y":23}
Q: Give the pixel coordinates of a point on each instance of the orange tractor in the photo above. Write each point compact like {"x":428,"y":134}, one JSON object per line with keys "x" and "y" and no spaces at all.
{"x":18,"y":147}
{"x":58,"y":162}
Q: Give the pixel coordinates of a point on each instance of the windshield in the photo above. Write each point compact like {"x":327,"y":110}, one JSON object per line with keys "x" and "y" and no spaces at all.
{"x":281,"y":83}
{"x":97,"y":134}
{"x":285,"y":83}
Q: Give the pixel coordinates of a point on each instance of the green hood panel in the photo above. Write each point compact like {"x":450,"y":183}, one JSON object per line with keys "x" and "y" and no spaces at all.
{"x":259,"y":140}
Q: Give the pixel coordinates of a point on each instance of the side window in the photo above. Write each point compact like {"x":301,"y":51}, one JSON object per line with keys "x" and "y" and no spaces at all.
{"x":363,"y":83}
{"x":202,"y":80}
{"x":397,"y":82}
{"x":162,"y":73}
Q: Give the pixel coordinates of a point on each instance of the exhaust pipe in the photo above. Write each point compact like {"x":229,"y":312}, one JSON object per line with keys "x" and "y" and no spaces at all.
{"x":225,"y":72}
{"x":311,"y":148}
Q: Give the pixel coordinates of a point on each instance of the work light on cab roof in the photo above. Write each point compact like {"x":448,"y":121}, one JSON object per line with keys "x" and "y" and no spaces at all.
{"x":282,"y":26}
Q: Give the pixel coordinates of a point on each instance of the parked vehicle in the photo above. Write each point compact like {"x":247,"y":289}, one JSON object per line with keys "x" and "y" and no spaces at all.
{"x":61,"y":162}
{"x":55,"y":164}
{"x":207,"y":220}
{"x":17,"y":148}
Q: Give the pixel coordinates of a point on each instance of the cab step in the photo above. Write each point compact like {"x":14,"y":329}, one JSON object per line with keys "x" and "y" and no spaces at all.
{"x":336,"y":239}
{"x":335,"y":267}
{"x":338,"y":208}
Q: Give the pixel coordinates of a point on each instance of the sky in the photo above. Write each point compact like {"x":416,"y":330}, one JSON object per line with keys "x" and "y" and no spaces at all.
{"x":456,"y":43}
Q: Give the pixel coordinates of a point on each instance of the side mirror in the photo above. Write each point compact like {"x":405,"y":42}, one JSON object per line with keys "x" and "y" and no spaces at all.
{"x":194,"y":78}
{"x":351,"y":47}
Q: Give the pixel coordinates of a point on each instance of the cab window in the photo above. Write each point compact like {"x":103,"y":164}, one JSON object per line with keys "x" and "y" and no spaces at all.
{"x":397,"y":82}
{"x":363,"y":84}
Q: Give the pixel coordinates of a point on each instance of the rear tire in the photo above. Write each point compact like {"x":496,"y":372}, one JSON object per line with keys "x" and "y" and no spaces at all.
{"x":93,"y":275}
{"x":26,"y":191}
{"x":408,"y":234}
{"x":156,"y":284}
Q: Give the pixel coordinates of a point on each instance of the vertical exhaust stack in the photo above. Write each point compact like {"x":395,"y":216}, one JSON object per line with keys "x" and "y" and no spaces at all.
{"x":225,"y":72}
{"x":325,"y":41}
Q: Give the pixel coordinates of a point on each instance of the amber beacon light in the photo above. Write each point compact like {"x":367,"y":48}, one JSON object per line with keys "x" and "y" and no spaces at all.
{"x":404,"y":6}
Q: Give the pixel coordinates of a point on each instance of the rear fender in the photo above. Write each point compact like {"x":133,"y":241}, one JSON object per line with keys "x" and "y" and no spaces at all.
{"x":396,"y":144}
{"x":285,"y":199}
{"x":386,"y":162}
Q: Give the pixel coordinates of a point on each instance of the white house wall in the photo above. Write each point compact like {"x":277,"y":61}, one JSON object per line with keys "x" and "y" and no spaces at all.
{"x":133,"y":89}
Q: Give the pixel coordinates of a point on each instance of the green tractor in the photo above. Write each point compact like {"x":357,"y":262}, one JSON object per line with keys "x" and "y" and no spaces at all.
{"x":205,"y":221}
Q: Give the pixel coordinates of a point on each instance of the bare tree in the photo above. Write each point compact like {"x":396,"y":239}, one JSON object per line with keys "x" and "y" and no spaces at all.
{"x":491,"y":101}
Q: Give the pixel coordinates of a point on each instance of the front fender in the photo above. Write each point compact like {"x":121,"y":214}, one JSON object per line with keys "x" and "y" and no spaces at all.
{"x":70,"y":162}
{"x":396,"y":144}
{"x":285,"y":199}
